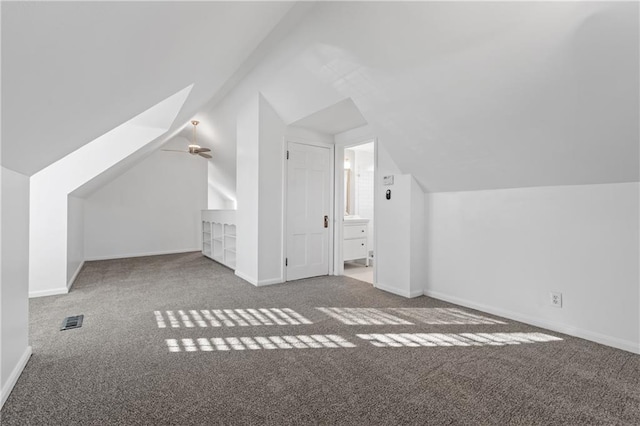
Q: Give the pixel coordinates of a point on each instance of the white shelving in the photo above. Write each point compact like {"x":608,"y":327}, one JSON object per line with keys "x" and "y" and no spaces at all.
{"x":206,"y":238}
{"x":219,"y":236}
{"x":229,"y":236}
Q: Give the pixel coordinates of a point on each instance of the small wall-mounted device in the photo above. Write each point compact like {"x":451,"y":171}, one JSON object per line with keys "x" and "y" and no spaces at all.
{"x":387,"y":180}
{"x":388,"y":194}
{"x":556,"y":299}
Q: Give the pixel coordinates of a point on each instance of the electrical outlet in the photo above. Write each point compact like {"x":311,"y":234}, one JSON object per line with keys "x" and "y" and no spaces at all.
{"x":556,"y":299}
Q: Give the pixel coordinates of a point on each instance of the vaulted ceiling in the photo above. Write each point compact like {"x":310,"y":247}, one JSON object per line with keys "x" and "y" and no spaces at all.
{"x":72,"y":71}
{"x":464,"y":95}
{"x":475,"y":95}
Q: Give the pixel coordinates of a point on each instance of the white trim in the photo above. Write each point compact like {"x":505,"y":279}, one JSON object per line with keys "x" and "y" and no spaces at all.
{"x":258,"y":283}
{"x":271,"y":281}
{"x":409,"y":295}
{"x":626,"y":345}
{"x":51,"y":292}
{"x":331,"y":212}
{"x":154,"y":253}
{"x":305,"y":141}
{"x":338,"y":211}
{"x":15,"y":374}
{"x":247,"y":278}
{"x":376,"y":204}
{"x":74,"y":276}
{"x":339,"y":199}
{"x":283,"y":207}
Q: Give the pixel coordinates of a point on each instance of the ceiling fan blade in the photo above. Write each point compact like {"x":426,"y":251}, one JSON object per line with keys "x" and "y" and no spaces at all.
{"x":174,"y":150}
{"x":203,"y":150}
{"x":204,"y":155}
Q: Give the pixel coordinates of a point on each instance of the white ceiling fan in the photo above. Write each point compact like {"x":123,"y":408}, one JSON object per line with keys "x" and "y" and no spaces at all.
{"x":194,"y":148}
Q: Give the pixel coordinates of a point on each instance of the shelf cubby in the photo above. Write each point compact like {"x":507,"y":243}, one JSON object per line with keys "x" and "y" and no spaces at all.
{"x":219,"y":236}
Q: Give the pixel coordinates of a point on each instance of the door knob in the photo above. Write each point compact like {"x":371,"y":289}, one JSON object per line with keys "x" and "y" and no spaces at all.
{"x":326,"y":221}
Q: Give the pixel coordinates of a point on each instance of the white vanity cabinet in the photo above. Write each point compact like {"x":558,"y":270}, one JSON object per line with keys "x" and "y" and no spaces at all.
{"x":219,"y":236}
{"x":355,"y":244}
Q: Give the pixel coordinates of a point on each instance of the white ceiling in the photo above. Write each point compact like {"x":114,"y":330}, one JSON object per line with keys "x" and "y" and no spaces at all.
{"x":334,"y":119}
{"x":71,"y":71}
{"x":463,"y":95}
{"x":470,"y":96}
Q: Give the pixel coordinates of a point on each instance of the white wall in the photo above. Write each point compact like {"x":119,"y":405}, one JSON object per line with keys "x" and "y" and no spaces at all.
{"x":14,"y":304}
{"x":247,"y":188}
{"x":503,"y":251}
{"x":271,"y":213}
{"x":364,"y":190}
{"x":75,"y":238}
{"x":219,"y":128}
{"x":364,"y":184}
{"x":153,"y":208}
{"x":400,"y":238}
{"x":399,"y":263}
{"x":351,"y":156}
{"x":50,"y":187}
{"x":259,"y":193}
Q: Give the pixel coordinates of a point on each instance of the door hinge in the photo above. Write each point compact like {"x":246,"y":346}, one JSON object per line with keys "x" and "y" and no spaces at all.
{"x":287,"y":154}
{"x":286,"y":261}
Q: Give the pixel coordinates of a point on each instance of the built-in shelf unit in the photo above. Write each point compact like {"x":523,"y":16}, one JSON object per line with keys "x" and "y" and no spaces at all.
{"x":219,"y":236}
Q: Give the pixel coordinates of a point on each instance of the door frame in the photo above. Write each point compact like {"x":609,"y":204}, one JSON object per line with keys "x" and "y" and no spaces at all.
{"x":339,"y":203}
{"x":285,"y":200}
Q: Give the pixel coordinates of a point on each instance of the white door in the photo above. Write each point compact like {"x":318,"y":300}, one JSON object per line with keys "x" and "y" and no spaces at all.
{"x":308,"y":210}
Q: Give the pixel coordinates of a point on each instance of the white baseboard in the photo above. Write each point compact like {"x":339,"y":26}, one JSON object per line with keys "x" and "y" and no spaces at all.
{"x":614,"y":342}
{"x":60,"y":290}
{"x":247,"y":278}
{"x":15,"y":374}
{"x":51,"y":292}
{"x":398,"y":292}
{"x":152,"y":253}
{"x":271,"y":281}
{"x":75,"y":275}
{"x":258,"y":283}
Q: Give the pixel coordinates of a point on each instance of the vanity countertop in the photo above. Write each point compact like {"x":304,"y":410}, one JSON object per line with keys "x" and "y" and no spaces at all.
{"x":355,"y":219}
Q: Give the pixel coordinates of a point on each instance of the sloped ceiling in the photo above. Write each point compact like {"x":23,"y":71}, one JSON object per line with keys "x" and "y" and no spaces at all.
{"x":463,"y":95}
{"x":475,"y":95}
{"x":334,"y":119}
{"x":470,"y":96}
{"x":71,"y":71}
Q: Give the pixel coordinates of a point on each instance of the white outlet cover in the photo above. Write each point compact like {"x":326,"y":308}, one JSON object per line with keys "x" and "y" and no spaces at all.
{"x":556,"y":299}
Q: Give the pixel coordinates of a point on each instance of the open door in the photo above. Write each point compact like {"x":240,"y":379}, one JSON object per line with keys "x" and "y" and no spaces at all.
{"x":308,"y":227}
{"x":356,"y":191}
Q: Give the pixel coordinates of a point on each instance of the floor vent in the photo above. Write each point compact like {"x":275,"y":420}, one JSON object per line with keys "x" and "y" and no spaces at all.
{"x":72,"y":322}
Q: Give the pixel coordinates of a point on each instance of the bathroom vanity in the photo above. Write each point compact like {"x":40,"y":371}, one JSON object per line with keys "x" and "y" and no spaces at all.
{"x":355,"y":245}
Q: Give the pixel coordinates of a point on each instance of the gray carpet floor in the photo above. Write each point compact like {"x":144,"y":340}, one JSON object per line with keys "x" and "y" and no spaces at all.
{"x":121,"y":368}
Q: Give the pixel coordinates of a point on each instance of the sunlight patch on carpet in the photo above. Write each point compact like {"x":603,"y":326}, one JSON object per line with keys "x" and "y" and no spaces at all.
{"x":453,"y":339}
{"x":444,"y":316}
{"x":314,"y":341}
{"x":203,"y":318}
{"x":363,"y":316}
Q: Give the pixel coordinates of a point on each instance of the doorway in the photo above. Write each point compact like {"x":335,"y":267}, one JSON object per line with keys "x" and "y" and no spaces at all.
{"x":358,"y":224}
{"x":309,"y":200}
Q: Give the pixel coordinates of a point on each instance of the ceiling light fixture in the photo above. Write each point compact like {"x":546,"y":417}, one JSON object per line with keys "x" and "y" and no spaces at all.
{"x":194,"y":145}
{"x":194,"y":148}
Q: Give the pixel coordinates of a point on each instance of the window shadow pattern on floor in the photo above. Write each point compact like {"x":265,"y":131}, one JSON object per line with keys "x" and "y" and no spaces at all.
{"x":249,"y":317}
